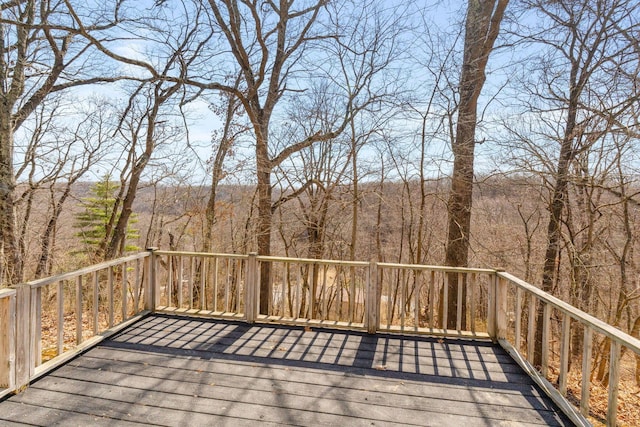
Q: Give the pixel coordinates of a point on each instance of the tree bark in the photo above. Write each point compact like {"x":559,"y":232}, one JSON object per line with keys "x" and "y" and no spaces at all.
{"x":263,"y":164}
{"x":481,"y":30}
{"x":11,"y":267}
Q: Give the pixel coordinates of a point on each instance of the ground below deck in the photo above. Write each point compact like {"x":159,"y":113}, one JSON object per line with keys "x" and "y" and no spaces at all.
{"x":178,"y":371}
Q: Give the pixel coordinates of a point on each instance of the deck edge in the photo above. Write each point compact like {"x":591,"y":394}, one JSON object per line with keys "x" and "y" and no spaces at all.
{"x":567,"y":408}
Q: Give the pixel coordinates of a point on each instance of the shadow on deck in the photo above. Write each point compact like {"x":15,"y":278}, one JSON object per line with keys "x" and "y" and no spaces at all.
{"x":171,"y":370}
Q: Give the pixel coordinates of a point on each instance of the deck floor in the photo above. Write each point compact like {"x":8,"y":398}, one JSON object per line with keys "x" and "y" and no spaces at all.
{"x":177,"y":371}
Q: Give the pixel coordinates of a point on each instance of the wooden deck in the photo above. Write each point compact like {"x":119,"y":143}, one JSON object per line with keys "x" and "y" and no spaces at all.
{"x":178,"y":371}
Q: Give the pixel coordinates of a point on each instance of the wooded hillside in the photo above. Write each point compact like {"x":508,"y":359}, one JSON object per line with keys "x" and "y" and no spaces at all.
{"x":492,"y":133}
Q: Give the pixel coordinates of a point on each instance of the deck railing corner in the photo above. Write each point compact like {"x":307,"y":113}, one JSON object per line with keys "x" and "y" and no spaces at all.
{"x":7,"y":340}
{"x":372,"y":319}
{"x":150,"y":286}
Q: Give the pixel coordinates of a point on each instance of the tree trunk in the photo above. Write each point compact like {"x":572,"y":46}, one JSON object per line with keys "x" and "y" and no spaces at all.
{"x":263,"y":164}
{"x":557,"y":206}
{"x":481,"y":29}
{"x":11,"y":268}
{"x":46,"y":240}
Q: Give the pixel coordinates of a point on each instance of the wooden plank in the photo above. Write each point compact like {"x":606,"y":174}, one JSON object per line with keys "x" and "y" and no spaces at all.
{"x":170,"y":283}
{"x":501,"y":308}
{"x":417,"y":288}
{"x":531,"y":328}
{"x":190,"y":283}
{"x":459,"y":302}
{"x":209,"y":334}
{"x":251,"y":292}
{"x":60,"y":315}
{"x":78,"y":310}
{"x":7,"y":338}
{"x":445,"y":303}
{"x":237,"y":298}
{"x":291,"y":395}
{"x":472,"y":287}
{"x":36,"y":328}
{"x":34,"y":414}
{"x":614,"y":383}
{"x":126,"y":413}
{"x":96,"y":303}
{"x":546,"y":314}
{"x":61,"y":359}
{"x":319,"y":344}
{"x":325,"y":293}
{"x":325,"y":381}
{"x":587,"y":349}
{"x":87,"y":270}
{"x":594,"y":323}
{"x":180,"y":280}
{"x":203,"y":281}
{"x":518,"y":318}
{"x":491,"y":310}
{"x":227,"y":285}
{"x":215,"y":283}
{"x":124,"y":287}
{"x":546,"y":386}
{"x":212,"y":372}
{"x":136,"y":288}
{"x":565,"y":336}
{"x":111,"y":297}
{"x":440,"y":268}
{"x":432,"y":298}
{"x":461,"y":372}
{"x":24,"y":367}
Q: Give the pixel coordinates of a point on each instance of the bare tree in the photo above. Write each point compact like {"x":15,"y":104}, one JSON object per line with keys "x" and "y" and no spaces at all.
{"x":587,"y":40}
{"x":40,"y":54}
{"x":76,"y":149}
{"x":232,"y":130}
{"x":268,"y":43}
{"x":482,"y":26}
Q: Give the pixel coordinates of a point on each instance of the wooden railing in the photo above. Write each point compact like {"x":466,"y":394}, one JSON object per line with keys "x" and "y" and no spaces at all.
{"x":7,"y":338}
{"x":96,"y":301}
{"x":560,"y":321}
{"x":80,"y":308}
{"x":354,"y":294}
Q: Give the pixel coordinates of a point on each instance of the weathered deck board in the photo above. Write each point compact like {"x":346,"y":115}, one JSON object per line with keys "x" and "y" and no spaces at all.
{"x":179,"y":371}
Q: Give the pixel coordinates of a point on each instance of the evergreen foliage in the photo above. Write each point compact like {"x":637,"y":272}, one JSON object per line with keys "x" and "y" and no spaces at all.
{"x":96,"y":220}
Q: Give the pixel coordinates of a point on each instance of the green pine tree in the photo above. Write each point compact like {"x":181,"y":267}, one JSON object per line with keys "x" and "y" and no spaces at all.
{"x":94,"y":220}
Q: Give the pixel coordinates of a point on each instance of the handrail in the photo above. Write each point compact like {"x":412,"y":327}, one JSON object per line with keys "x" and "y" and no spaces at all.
{"x":82,"y":271}
{"x":541,"y":355}
{"x":77,"y":294}
{"x":202,"y":254}
{"x":442,"y":268}
{"x":586,"y":319}
{"x":371,"y":296}
{"x":312,"y":261}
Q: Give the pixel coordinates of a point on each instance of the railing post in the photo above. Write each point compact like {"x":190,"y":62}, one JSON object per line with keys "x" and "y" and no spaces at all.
{"x":497,"y":321}
{"x":150,"y":288}
{"x":372,"y":321}
{"x":491,"y":312}
{"x":501,"y":308}
{"x":614,"y":383}
{"x":7,"y":339}
{"x":24,"y":368}
{"x":251,"y":291}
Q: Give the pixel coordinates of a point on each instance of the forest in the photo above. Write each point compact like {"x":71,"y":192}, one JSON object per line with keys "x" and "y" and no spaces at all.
{"x":488,"y":133}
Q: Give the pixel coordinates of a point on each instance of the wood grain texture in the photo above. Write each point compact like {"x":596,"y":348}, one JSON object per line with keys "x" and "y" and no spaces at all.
{"x":177,"y":371}
{"x":7,"y":338}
